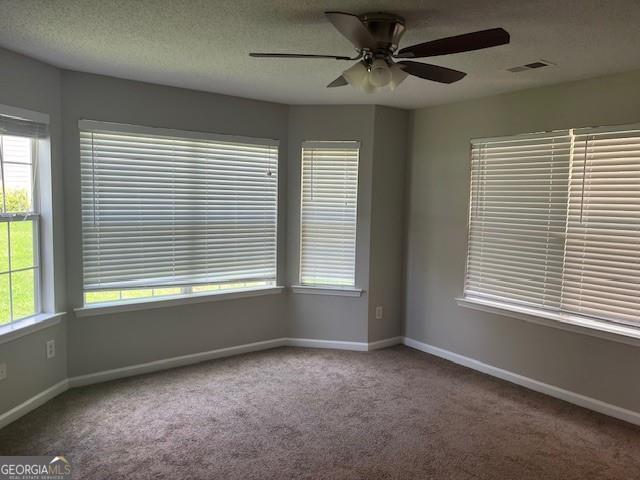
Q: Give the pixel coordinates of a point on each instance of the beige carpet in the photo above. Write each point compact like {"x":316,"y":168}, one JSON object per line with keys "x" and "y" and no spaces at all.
{"x":324,"y":414}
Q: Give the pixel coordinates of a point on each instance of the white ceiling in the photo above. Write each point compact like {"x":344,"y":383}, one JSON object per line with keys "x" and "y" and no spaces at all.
{"x":203,"y":44}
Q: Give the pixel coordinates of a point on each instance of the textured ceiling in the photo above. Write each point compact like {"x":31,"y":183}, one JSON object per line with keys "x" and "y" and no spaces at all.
{"x":203,"y":44}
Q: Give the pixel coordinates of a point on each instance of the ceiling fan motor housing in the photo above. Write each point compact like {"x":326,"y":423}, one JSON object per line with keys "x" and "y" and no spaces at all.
{"x":387,"y":30}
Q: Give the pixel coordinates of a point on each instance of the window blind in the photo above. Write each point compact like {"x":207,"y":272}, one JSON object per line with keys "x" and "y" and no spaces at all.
{"x":166,"y":208}
{"x":10,"y":125}
{"x":554,"y":222}
{"x":518,"y":218}
{"x":328,"y":213}
{"x":602,"y":259}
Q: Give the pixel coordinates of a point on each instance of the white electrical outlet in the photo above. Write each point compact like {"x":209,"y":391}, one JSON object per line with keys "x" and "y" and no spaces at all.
{"x":378,"y":312}
{"x":51,"y":348}
{"x":3,"y":371}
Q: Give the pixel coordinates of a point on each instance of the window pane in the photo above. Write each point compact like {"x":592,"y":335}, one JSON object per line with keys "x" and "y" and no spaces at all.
{"x":5,"y":309}
{"x":22,"y":251}
{"x":161,"y":292}
{"x":4,"y":247}
{"x":16,"y":149}
{"x":23,"y":290}
{"x":127,"y":294}
{"x":97,"y":297}
{"x":17,"y":187}
{"x":115,"y":295}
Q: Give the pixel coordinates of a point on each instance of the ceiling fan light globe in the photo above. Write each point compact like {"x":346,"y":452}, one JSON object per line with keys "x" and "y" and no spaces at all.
{"x":368,"y":87}
{"x":380,"y":74}
{"x":398,"y":76}
{"x":356,"y":75}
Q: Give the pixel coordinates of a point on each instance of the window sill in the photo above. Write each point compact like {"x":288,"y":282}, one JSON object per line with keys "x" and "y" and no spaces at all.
{"x":574,"y":323}
{"x":29,"y":325}
{"x":336,"y":291}
{"x":152,"y":303}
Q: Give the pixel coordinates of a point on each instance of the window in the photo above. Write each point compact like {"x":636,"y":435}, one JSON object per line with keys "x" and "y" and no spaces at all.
{"x":329,"y":213}
{"x":555,"y":222}
{"x":171,"y":213}
{"x":19,"y":254}
{"x":602,"y":251}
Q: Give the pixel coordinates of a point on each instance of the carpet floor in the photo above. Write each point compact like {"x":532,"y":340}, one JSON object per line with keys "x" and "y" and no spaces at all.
{"x":324,"y":414}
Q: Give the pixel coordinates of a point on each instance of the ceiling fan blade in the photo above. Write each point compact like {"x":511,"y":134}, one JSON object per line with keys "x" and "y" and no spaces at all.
{"x":353,"y":29}
{"x":338,"y":82}
{"x":457,"y":44}
{"x":432,"y":72}
{"x":297,"y":55}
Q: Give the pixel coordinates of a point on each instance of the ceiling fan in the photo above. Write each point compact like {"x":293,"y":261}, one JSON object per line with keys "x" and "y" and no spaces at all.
{"x":376,"y":37}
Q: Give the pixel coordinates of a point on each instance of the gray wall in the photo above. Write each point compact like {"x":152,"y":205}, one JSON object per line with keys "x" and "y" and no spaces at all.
{"x":386,"y":260}
{"x":32,"y":85}
{"x":437,"y":232}
{"x":116,"y":340}
{"x":320,"y":316}
{"x":382,"y":132}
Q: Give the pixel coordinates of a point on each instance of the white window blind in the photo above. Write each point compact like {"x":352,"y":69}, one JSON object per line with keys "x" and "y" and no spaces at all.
{"x":328,"y":213}
{"x":554,"y":222}
{"x":166,"y":208}
{"x":602,"y":260}
{"x":518,"y":218}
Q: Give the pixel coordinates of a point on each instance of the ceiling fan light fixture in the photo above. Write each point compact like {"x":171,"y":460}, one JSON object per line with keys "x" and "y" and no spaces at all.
{"x":356,"y":75}
{"x":398,"y":76}
{"x":379,"y":74}
{"x":367,"y":86}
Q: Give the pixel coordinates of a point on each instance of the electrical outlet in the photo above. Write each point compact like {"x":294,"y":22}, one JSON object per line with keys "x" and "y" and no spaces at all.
{"x":3,"y":371}
{"x":378,"y":312}
{"x":51,"y":348}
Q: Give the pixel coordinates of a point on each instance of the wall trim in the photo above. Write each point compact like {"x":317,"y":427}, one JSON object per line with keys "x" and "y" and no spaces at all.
{"x":172,"y":362}
{"x":386,"y":342}
{"x":167,"y":363}
{"x":335,"y":344}
{"x":33,"y":402}
{"x":190,"y":359}
{"x":527,"y":382}
{"x":164,"y":364}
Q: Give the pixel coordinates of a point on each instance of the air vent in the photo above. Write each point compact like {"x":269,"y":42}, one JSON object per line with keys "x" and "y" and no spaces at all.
{"x":530,"y":66}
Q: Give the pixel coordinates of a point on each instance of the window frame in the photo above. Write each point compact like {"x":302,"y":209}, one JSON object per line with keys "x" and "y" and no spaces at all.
{"x":327,"y":288}
{"x":187,"y":295}
{"x":13,"y":218}
{"x":48,"y":313}
{"x":618,"y":331}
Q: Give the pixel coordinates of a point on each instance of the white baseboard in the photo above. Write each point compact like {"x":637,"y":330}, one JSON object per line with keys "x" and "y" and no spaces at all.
{"x":164,"y":364}
{"x":387,"y":342}
{"x":33,"y":402}
{"x":336,"y":344}
{"x":173,"y":362}
{"x":551,"y":390}
{"x":572,"y":397}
